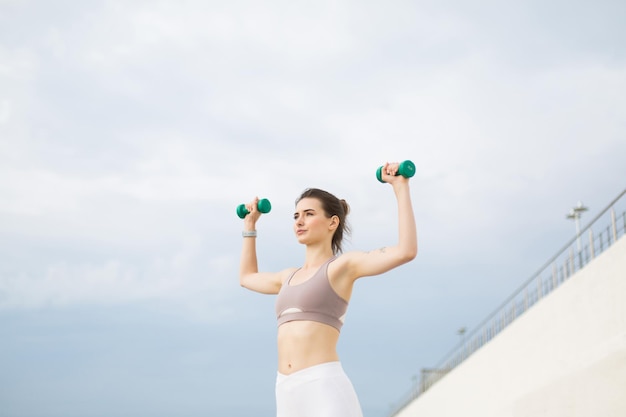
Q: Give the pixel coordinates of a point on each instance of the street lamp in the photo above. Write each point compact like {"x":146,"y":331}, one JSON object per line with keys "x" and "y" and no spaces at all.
{"x":575,"y":214}
{"x":461,"y":332}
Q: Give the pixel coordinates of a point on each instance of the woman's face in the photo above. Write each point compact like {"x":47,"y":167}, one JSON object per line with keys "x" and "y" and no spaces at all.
{"x":310,"y":222}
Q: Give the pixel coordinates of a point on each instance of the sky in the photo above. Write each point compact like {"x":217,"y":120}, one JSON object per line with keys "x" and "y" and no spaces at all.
{"x":131,"y":130}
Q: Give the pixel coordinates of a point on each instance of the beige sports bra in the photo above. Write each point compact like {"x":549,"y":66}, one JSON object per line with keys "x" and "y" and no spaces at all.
{"x":312,"y":300}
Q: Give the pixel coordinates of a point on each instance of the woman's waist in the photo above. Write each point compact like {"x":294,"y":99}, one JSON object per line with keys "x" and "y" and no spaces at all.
{"x":307,"y":333}
{"x":305,"y":344}
{"x":313,"y":372}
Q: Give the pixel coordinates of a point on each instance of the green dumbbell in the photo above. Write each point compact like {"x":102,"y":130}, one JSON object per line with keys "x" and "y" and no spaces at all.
{"x":263,"y":206}
{"x":406,"y":169}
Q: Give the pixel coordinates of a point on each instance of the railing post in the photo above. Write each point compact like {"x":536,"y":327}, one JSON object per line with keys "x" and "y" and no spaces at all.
{"x":601,"y":242}
{"x":525,"y":299}
{"x":571,"y":260}
{"x":580,"y":260}
{"x":613,"y":224}
{"x":539,"y":288}
{"x":591,"y":248}
{"x":555,"y":278}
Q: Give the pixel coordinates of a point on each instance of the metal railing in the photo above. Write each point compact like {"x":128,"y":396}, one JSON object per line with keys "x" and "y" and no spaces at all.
{"x":601,"y":232}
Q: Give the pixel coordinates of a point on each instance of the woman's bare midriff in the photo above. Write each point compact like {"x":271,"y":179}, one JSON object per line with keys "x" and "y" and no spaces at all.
{"x":302,"y":344}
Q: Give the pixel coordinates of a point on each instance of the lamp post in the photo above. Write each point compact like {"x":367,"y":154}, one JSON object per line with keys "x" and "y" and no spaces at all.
{"x":575,"y":214}
{"x":461,"y":332}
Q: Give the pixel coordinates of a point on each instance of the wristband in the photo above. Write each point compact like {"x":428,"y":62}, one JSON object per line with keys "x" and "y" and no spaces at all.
{"x":251,"y":233}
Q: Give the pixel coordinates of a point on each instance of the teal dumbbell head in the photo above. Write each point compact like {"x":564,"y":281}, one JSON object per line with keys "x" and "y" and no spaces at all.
{"x":263,"y":206}
{"x":406,"y":169}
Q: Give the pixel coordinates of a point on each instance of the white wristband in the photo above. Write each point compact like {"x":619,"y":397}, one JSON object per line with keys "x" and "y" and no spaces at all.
{"x":251,"y":233}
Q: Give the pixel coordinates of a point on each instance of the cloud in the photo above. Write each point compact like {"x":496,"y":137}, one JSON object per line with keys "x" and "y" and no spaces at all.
{"x":142,"y":125}
{"x":181,"y":280}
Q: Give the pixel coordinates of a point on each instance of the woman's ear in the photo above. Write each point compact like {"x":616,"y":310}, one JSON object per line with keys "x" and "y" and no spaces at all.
{"x":334,"y":222}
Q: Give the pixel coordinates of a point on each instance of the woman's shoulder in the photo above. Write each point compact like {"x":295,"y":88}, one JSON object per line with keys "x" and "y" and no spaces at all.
{"x":342,"y":273}
{"x":345,"y":261}
{"x":286,"y":273}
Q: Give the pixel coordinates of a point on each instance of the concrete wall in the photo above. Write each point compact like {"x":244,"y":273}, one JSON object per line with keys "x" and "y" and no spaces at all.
{"x":565,"y":357}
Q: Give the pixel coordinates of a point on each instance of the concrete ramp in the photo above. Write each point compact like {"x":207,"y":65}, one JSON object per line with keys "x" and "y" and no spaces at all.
{"x":565,"y":357}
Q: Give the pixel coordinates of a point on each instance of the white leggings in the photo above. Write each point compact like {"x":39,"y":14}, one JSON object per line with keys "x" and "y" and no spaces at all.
{"x":319,"y":391}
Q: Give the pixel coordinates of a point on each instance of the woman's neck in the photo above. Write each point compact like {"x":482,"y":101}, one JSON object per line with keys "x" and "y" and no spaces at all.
{"x":316,"y":255}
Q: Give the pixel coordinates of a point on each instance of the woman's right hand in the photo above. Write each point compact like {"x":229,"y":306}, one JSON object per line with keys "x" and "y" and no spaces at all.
{"x":252,"y":217}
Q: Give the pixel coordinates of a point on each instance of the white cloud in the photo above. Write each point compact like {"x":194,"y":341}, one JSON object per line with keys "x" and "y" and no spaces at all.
{"x":183,"y":278}
{"x":152,"y":121}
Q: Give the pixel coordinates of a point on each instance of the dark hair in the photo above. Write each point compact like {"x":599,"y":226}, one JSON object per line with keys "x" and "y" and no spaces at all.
{"x":332,"y":206}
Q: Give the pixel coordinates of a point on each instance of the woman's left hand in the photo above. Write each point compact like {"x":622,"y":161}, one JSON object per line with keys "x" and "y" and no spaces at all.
{"x":389,"y":171}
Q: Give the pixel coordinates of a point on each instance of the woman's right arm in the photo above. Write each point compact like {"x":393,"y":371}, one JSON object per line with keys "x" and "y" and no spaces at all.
{"x":249,"y":275}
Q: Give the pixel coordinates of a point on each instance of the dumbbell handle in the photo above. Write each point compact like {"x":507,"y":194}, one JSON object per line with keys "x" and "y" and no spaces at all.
{"x":406,"y":169}
{"x":263,"y":206}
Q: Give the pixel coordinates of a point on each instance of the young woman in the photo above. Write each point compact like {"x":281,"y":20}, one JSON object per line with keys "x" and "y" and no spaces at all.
{"x":312,"y":300}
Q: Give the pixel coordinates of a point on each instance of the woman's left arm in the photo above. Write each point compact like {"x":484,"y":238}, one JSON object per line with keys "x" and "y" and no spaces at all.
{"x":384,"y":259}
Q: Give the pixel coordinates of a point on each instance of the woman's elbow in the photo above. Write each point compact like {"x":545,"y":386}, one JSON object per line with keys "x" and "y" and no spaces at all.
{"x":243,"y":281}
{"x":409,"y":254}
